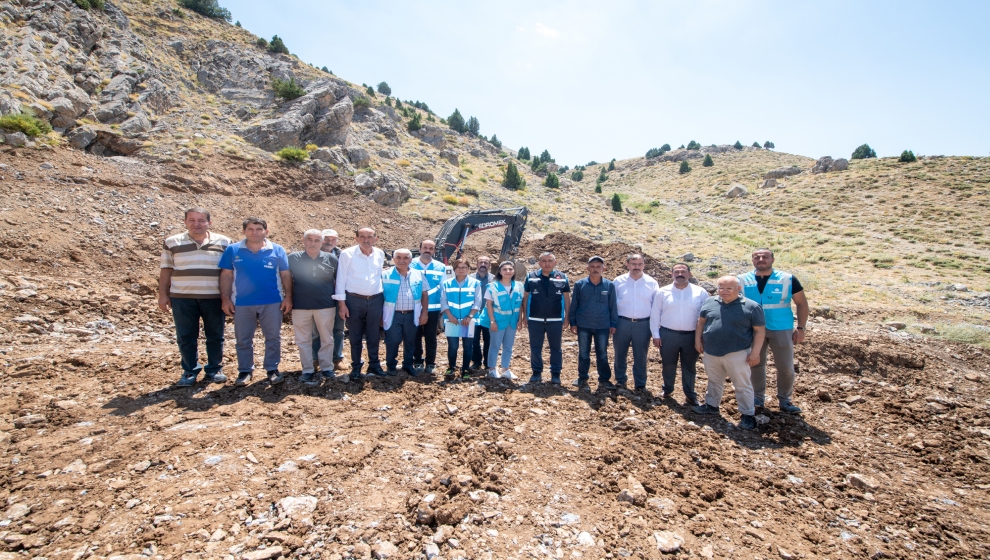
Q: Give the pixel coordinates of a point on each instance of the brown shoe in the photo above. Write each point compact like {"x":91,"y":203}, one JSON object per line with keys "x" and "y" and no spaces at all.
{"x":336,"y":364}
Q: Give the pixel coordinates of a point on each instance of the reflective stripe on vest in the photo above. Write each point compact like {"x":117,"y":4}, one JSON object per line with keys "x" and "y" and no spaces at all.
{"x":775,"y":299}
{"x":391,"y":282}
{"x":460,"y":299}
{"x":505,"y":305}
{"x":433,"y":273}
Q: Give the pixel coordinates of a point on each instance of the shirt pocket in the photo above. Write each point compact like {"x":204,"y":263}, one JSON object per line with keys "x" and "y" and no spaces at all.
{"x":603,"y":296}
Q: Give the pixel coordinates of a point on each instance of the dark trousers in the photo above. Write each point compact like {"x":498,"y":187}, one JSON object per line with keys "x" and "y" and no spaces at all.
{"x":364,"y":321}
{"x":452,"y":345}
{"x":187,"y":313}
{"x":482,"y":339}
{"x":600,"y":338}
{"x":637,"y":335}
{"x":338,"y":341}
{"x":428,"y":332}
{"x":403,"y":329}
{"x":553,"y":332}
{"x":674,"y":345}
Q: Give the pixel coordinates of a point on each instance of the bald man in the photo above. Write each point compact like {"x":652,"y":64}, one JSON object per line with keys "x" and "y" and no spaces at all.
{"x":730,"y":333}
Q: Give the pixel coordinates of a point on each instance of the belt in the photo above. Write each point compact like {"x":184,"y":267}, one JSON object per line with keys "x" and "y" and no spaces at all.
{"x":676,"y":331}
{"x":352,"y":294}
{"x":408,"y":311}
{"x":541,"y":320}
{"x":634,"y":320}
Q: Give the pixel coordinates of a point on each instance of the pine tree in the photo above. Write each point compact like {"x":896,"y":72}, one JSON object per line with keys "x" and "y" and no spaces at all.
{"x":545,"y":157}
{"x":416,"y":123}
{"x":456,"y":121}
{"x":616,"y":203}
{"x":277,"y":45}
{"x":384,"y":89}
{"x":602,"y":176}
{"x":756,"y":145}
{"x":708,"y":161}
{"x":692,"y":145}
{"x":524,"y":153}
{"x":495,"y":141}
{"x":552,"y":181}
{"x":473,"y":126}
{"x":864,"y":152}
{"x":768,"y":145}
{"x":738,"y":145}
{"x":684,"y":167}
{"x":907,"y":156}
{"x":611,"y":165}
{"x":512,"y":180}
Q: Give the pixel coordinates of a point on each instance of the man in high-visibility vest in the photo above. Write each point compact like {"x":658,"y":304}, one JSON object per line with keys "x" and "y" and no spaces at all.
{"x":425,"y":355}
{"x":405,"y":298}
{"x":774,"y":290}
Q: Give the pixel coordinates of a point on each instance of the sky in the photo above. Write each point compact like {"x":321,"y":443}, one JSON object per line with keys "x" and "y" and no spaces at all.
{"x":602,"y":80}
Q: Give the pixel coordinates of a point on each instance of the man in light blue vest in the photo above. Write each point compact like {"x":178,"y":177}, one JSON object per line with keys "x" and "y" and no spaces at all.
{"x":426,"y":336}
{"x":774,"y":290}
{"x":402,"y":314}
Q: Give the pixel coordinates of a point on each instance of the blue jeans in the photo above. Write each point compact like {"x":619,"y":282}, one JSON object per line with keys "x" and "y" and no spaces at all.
{"x":452,"y":345}
{"x":502,"y":339}
{"x":403,"y":330}
{"x":553,"y":332}
{"x":187,"y":312}
{"x":600,"y":338}
{"x":338,"y":339}
{"x":637,"y":335}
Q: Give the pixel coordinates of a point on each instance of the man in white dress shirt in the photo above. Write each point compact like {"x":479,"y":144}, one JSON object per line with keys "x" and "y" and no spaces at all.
{"x":359,"y":291}
{"x":634,"y":295}
{"x":672,"y":323}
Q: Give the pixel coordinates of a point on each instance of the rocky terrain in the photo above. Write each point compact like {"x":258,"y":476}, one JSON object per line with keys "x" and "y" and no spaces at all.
{"x":155,"y":109}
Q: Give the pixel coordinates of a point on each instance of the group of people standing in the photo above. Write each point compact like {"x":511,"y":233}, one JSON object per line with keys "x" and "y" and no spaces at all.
{"x":204,"y":276}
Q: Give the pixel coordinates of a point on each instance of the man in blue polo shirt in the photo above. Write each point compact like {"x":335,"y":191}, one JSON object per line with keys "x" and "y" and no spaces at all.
{"x":254,"y":273}
{"x":546,"y":299}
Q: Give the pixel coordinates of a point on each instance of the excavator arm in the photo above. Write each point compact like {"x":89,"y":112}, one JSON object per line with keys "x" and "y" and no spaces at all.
{"x":450,"y":240}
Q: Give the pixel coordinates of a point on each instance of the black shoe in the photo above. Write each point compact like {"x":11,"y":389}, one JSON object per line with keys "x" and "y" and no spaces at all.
{"x":448,"y":375}
{"x":692,"y":402}
{"x":667,"y":394}
{"x":412,"y":371}
{"x":535,"y":378}
{"x":555,"y":380}
{"x":327,"y":374}
{"x":706,"y":409}
{"x":640,"y":389}
{"x":274,"y":377}
{"x":606,"y":386}
{"x":465,"y":374}
{"x":308,"y":378}
{"x":188,"y":379}
{"x":354,"y":377}
{"x":376,"y":371}
{"x":786,"y":406}
{"x":747,"y":422}
{"x":243,"y":378}
{"x":582,"y":385}
{"x":621,"y":387}
{"x":391,"y":372}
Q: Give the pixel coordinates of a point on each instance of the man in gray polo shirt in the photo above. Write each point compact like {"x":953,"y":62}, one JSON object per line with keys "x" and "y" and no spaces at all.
{"x":314,"y":275}
{"x":730,"y":333}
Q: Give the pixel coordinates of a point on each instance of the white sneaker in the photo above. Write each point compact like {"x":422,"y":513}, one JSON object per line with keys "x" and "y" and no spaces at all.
{"x":507,"y":374}
{"x":493,"y":373}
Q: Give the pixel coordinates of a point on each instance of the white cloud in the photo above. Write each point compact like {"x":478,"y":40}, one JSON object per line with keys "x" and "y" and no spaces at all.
{"x":546,"y":31}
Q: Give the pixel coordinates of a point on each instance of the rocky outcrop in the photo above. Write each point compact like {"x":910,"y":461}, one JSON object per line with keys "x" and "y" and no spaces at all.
{"x":432,"y":135}
{"x":450,"y":156}
{"x":358,"y":156}
{"x":424,"y":176}
{"x":736,"y":191}
{"x":768,"y":184}
{"x":782,"y":172}
{"x":237,"y":73}
{"x":316,"y":117}
{"x":387,"y":189}
{"x":681,"y":155}
{"x":827,"y":164}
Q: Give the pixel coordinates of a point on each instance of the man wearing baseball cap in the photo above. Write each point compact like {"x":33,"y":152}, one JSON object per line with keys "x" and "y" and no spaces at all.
{"x":594,"y":315}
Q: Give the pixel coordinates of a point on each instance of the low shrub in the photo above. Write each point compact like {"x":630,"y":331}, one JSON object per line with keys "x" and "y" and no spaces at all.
{"x":370,"y":91}
{"x":403,"y":162}
{"x":261,"y":43}
{"x":552,"y":181}
{"x":415,"y":123}
{"x":292,"y":154}
{"x":287,"y":89}
{"x":89,"y":4}
{"x":464,"y":201}
{"x":654,"y":203}
{"x":450,"y":199}
{"x":312,"y":147}
{"x":25,"y":122}
{"x":361,"y":102}
{"x":577,"y":175}
{"x":208,"y":8}
{"x":471,"y":191}
{"x":907,"y":156}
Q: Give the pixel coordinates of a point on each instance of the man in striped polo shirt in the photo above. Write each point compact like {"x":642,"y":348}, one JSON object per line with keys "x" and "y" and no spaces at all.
{"x":189,"y":284}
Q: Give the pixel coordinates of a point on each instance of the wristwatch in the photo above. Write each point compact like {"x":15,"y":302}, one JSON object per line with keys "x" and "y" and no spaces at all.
{"x":800,"y":328}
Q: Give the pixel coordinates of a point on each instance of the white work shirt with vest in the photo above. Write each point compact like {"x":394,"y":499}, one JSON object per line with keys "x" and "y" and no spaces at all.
{"x":434,"y":275}
{"x":775,"y":299}
{"x":506,"y":304}
{"x":391,"y":282}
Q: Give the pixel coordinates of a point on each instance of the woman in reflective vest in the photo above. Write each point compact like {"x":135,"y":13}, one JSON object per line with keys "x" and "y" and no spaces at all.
{"x":502,"y":302}
{"x":460,"y":302}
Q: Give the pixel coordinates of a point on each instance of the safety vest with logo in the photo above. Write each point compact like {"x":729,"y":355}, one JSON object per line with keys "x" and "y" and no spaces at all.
{"x":391,"y":279}
{"x":460,"y":299}
{"x":547,"y":307}
{"x":506,"y":305}
{"x":434,"y":274}
{"x":775,"y":299}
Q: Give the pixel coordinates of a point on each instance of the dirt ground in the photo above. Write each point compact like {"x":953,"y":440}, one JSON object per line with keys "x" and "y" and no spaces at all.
{"x":103,"y":458}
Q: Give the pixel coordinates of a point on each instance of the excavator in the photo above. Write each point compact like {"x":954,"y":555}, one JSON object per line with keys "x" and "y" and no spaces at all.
{"x":453,"y":234}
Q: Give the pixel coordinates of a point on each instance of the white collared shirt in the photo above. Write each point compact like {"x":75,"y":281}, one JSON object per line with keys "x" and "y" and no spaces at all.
{"x":358,"y":273}
{"x":677,"y":309}
{"x":634,"y":298}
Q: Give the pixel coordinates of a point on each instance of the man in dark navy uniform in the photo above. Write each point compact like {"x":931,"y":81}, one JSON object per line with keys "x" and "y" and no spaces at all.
{"x":546,"y":299}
